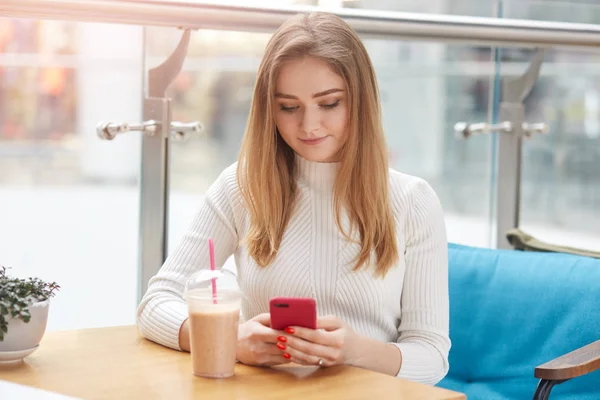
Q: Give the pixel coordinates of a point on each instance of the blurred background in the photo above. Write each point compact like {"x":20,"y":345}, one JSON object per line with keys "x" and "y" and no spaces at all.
{"x":69,"y":202}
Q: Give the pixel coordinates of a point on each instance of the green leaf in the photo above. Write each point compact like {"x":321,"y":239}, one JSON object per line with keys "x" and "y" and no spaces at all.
{"x":16,"y":295}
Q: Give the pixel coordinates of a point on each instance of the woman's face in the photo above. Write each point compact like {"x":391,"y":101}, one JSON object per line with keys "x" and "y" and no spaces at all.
{"x":311,"y":109}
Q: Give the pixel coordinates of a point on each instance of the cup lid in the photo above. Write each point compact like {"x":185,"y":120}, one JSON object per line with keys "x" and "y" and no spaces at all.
{"x":202,"y":281}
{"x":203,"y":278}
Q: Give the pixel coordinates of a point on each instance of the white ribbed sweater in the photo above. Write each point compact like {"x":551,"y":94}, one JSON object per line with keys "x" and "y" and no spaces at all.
{"x":409,"y":307}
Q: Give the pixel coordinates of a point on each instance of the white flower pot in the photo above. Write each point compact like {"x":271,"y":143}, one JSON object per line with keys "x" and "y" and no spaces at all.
{"x":22,"y":336}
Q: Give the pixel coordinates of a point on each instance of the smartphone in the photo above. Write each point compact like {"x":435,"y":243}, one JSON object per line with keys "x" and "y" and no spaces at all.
{"x":293,"y":311}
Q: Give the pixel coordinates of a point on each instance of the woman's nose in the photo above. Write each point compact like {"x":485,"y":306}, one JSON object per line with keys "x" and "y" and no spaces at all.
{"x":310,"y":122}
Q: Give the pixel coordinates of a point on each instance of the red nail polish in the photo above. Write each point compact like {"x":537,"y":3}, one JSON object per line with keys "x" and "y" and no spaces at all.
{"x":282,"y":339}
{"x":281,"y":346}
{"x":290,"y":330}
{"x":286,"y":355}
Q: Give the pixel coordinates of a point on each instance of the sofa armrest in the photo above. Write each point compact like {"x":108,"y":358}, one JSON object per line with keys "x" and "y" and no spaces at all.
{"x":579,"y":362}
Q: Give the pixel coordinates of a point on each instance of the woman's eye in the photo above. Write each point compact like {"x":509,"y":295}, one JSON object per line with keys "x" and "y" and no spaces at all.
{"x":330,"y":105}
{"x":288,"y":109}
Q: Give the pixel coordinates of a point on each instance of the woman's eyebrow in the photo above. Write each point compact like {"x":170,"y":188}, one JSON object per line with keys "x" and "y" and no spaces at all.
{"x":320,"y":94}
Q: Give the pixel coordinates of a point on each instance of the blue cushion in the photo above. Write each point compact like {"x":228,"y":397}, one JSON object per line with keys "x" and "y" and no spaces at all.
{"x":511,"y":311}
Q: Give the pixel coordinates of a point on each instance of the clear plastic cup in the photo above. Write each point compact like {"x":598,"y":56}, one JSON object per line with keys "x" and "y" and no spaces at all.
{"x":213,"y":322}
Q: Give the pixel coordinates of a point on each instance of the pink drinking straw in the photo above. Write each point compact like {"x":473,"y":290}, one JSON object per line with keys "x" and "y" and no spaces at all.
{"x":211,"y":248}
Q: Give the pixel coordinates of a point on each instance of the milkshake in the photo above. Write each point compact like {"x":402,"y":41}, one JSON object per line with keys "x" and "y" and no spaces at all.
{"x":213,"y":323}
{"x":213,"y":339}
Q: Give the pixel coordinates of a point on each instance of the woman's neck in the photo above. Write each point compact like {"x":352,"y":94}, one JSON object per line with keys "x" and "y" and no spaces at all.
{"x":315,"y":173}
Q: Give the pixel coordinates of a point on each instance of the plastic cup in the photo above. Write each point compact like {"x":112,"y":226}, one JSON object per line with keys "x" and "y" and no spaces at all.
{"x":213,"y":322}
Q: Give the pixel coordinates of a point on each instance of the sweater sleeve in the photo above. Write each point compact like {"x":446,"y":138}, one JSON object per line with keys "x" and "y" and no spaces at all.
{"x":424,"y":327}
{"x":163,"y":310}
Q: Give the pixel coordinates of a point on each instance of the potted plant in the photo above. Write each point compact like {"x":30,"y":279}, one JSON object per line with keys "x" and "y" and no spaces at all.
{"x":23,"y":314}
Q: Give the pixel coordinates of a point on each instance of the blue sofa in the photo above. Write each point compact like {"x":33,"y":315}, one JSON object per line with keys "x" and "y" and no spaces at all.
{"x":510,"y":312}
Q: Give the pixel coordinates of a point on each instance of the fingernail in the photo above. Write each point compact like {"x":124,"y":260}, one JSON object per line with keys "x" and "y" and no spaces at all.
{"x":282,"y":339}
{"x":281,"y":346}
{"x":286,"y":355}
{"x":290,"y":330}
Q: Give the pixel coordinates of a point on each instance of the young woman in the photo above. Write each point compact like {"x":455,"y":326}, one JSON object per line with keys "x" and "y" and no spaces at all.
{"x":311,"y":209}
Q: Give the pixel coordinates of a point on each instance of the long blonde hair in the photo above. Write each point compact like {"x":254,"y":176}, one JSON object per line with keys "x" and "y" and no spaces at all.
{"x":266,"y":167}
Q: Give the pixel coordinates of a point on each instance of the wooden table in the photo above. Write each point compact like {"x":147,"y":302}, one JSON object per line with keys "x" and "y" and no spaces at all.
{"x":117,"y":363}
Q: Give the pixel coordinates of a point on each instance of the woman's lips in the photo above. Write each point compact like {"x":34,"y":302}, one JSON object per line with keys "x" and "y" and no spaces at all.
{"x":313,"y":142}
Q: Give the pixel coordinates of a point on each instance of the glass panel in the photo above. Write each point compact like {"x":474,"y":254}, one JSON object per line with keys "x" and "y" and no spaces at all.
{"x":426,"y":88}
{"x":577,"y":11}
{"x":560,"y":190}
{"x":475,"y":8}
{"x":69,"y":201}
{"x":560,"y":193}
{"x":214,"y":87}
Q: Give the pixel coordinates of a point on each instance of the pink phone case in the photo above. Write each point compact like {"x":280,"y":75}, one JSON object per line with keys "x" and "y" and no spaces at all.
{"x":293,"y":311}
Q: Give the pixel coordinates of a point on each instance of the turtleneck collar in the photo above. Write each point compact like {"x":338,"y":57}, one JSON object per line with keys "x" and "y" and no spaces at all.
{"x":316,"y":174}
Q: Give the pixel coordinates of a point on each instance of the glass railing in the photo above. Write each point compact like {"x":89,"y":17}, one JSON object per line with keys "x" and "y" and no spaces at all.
{"x":560,"y":185}
{"x":578,"y":11}
{"x":417,"y":82}
{"x":70,"y":203}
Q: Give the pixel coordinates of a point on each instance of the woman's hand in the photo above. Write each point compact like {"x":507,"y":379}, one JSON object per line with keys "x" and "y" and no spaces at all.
{"x":333,"y":341}
{"x":257,"y":342}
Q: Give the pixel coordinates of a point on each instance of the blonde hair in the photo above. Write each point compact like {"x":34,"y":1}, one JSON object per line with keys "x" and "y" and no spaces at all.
{"x":266,"y":167}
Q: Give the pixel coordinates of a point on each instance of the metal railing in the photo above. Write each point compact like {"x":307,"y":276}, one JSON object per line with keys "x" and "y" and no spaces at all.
{"x":409,"y":26}
{"x":204,"y":15}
